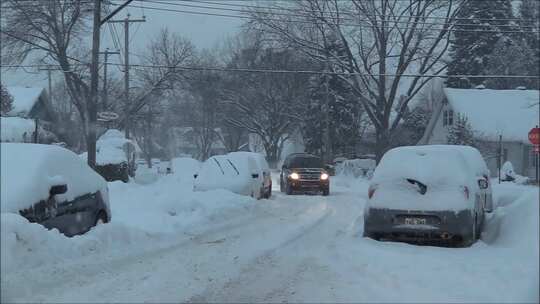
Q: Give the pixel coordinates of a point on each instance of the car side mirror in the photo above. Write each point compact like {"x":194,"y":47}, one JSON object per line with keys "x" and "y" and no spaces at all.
{"x":255,"y":175}
{"x":482,"y":183}
{"x":195,"y":175}
{"x":58,"y":189}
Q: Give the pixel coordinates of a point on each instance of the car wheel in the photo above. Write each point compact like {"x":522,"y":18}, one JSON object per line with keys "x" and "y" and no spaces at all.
{"x":326,"y":192}
{"x":101,"y":218}
{"x":288,"y":189}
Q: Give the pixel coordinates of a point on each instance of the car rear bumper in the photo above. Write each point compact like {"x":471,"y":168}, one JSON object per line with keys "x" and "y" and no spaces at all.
{"x":439,"y":225}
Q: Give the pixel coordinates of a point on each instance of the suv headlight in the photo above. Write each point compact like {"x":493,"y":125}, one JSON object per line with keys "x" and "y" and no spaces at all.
{"x":294,"y":175}
{"x":324,"y":176}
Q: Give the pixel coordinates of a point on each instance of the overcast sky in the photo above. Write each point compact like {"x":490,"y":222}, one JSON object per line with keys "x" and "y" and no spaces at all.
{"x":204,"y":32}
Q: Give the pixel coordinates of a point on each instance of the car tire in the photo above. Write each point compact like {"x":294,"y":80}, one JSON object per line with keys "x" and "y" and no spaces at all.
{"x":101,"y":218}
{"x":326,"y":192}
{"x":268,"y":192}
{"x":288,"y":189}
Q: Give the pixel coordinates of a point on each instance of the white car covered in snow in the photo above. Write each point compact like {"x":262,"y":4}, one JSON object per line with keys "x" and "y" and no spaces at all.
{"x":235,"y":172}
{"x":436,"y":193}
{"x":52,"y":186}
{"x":265,"y":176}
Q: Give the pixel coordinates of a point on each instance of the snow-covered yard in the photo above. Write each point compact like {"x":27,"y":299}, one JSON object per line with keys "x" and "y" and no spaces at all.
{"x":167,"y":243}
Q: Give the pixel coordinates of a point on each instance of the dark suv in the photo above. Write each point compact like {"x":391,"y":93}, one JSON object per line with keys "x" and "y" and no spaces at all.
{"x":304,"y":172}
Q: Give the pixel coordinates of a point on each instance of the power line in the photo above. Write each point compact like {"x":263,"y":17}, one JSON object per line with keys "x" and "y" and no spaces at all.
{"x":271,"y":71}
{"x":224,"y":3}
{"x":335,"y":18}
{"x":309,"y":22}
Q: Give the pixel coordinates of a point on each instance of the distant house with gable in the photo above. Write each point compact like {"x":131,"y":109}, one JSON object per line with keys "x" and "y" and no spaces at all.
{"x":30,"y":106}
{"x":492,"y":114}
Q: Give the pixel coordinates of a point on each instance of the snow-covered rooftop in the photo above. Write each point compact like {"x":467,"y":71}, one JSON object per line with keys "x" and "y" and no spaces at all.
{"x":24,"y":99}
{"x":510,"y":113}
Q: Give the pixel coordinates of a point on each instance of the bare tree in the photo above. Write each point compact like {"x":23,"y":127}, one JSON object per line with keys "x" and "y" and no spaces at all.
{"x":52,"y":31}
{"x":384,"y":49}
{"x":267,"y":104}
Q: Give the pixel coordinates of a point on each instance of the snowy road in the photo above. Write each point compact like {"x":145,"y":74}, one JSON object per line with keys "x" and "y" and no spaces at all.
{"x":300,"y":249}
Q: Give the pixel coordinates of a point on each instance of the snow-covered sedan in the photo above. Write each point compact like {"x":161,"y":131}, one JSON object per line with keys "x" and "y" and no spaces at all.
{"x":436,"y":193}
{"x":237,"y":173}
{"x":265,"y":176}
{"x":52,"y":186}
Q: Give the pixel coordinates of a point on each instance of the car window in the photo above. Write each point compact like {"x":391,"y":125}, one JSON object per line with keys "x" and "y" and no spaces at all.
{"x":306,"y":162}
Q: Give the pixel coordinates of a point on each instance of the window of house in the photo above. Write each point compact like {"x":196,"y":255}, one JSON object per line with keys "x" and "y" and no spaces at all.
{"x":445,"y":117}
{"x":448,"y":117}
{"x":533,"y":158}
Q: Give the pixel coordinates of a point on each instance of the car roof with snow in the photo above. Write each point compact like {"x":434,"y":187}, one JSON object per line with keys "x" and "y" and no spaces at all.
{"x":28,"y":171}
{"x":261,"y":160}
{"x":426,"y":164}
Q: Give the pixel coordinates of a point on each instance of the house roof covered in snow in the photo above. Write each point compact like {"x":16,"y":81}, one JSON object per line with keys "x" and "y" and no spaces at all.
{"x":510,"y":113}
{"x":24,"y":99}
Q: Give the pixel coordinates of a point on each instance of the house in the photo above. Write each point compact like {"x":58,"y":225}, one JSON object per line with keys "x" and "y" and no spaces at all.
{"x":32,"y":103}
{"x":30,"y":106}
{"x":507,"y":115}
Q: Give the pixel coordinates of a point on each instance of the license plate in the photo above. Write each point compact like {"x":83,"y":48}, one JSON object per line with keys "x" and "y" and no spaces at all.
{"x":415,"y":221}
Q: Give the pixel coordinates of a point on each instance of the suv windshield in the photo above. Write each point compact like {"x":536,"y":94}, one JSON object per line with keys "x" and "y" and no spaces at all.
{"x":306,"y":162}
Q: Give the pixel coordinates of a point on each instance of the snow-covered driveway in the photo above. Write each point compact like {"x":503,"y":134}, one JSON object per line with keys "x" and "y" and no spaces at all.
{"x":289,"y":248}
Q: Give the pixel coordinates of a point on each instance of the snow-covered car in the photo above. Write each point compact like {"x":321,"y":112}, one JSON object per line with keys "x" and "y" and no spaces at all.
{"x":265,"y":176}
{"x":303,"y":172}
{"x":435,"y":193}
{"x":115,"y":156}
{"x":52,"y":186}
{"x":239,"y":174}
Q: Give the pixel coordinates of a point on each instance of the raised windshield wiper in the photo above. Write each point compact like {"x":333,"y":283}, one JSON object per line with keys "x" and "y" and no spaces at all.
{"x":422,"y":188}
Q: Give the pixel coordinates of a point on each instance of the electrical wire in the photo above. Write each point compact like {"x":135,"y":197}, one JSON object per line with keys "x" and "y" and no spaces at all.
{"x":310,"y":22}
{"x":272,"y":71}
{"x":335,"y":18}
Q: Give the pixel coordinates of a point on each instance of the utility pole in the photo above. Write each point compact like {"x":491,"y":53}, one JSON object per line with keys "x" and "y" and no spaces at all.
{"x":126,"y":23}
{"x":93,"y":96}
{"x":105,"y":94}
{"x":327,"y":136}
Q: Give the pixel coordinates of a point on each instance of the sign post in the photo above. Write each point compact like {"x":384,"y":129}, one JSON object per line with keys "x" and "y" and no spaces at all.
{"x":534,"y":138}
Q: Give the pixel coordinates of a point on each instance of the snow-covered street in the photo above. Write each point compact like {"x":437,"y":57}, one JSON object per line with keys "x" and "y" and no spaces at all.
{"x":168,"y":244}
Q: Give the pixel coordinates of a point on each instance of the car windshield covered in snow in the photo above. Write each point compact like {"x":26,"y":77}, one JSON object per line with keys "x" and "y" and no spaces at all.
{"x":305,"y":161}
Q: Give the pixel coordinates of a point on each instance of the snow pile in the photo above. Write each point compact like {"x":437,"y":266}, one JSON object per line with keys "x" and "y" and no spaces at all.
{"x":356,"y":167}
{"x":16,"y":129}
{"x":29,"y":170}
{"x":185,"y":167}
{"x":510,"y":113}
{"x":24,"y":99}
{"x":168,"y":206}
{"x":144,"y":217}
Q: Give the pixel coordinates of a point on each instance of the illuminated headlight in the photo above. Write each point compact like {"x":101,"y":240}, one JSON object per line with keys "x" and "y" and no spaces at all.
{"x":324,"y":176}
{"x":294,"y":175}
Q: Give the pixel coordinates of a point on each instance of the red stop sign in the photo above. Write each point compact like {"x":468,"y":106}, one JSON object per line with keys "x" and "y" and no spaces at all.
{"x":534,"y":136}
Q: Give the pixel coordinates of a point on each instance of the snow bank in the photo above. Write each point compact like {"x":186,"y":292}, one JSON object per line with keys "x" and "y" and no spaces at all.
{"x":356,"y":167}
{"x":113,"y":148}
{"x":144,"y":217}
{"x":16,"y":129}
{"x":29,"y":170}
{"x":185,"y":167}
